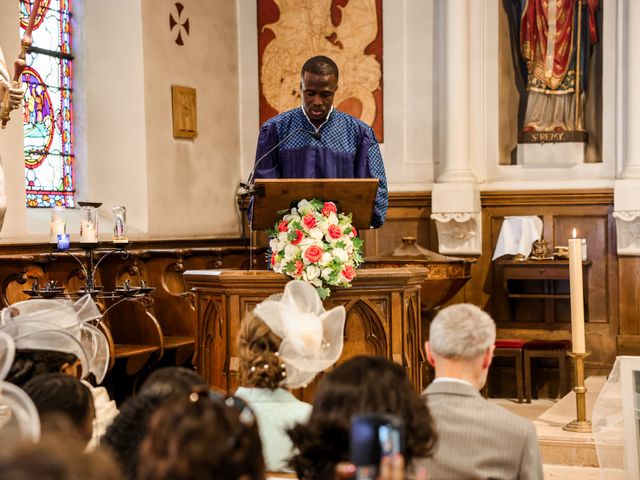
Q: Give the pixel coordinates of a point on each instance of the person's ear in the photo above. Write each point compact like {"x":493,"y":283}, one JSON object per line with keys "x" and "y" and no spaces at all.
{"x":430,"y":359}
{"x":71,"y":369}
{"x":487,"y":357}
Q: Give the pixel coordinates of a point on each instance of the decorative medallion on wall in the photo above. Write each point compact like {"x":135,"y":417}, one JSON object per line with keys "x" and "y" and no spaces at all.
{"x":185,"y":118}
{"x":179,"y":23}
{"x":348,"y":31}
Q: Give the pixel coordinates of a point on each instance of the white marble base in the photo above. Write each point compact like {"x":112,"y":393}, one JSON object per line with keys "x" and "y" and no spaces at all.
{"x":626,"y":204}
{"x":456,"y":210}
{"x":551,"y":154}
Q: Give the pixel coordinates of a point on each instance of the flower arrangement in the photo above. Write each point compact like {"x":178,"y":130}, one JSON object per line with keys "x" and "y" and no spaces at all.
{"x":316,"y":244}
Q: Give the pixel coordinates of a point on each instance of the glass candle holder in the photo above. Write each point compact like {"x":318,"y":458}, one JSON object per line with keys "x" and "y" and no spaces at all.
{"x":88,"y":225}
{"x":58,"y":223}
{"x":119,"y":224}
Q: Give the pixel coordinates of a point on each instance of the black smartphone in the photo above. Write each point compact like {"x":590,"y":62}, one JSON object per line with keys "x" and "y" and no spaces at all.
{"x":374,"y":436}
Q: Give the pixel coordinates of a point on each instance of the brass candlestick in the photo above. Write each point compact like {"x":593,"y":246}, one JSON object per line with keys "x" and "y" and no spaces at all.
{"x":581,"y":424}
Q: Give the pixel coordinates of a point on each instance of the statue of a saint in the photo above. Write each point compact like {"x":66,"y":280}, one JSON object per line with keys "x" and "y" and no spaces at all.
{"x":12,"y":96}
{"x":555,"y":39}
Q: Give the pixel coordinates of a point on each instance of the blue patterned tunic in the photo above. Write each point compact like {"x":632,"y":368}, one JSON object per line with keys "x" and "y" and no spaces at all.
{"x":347,"y":148}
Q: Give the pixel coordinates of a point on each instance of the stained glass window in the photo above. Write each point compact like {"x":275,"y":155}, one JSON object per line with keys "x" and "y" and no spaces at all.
{"x":48,"y":112}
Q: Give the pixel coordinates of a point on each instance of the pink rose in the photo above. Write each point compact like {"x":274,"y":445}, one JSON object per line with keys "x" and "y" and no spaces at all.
{"x":328,"y":208}
{"x":299,"y":266}
{"x":309,"y":221}
{"x":283,"y":226}
{"x":349,"y":273}
{"x":313,"y":253}
{"x":299,"y":237}
{"x":273,"y":260}
{"x":334,"y":231}
{"x":354,"y":232}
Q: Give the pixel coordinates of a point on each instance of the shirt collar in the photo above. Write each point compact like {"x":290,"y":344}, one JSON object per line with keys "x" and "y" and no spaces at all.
{"x":322,"y":124}
{"x":453,"y":380}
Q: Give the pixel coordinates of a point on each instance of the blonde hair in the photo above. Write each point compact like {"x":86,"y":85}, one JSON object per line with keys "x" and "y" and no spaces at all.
{"x":258,"y":346}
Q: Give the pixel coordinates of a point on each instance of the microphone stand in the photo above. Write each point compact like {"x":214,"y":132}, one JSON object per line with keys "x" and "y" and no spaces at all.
{"x":248,"y":186}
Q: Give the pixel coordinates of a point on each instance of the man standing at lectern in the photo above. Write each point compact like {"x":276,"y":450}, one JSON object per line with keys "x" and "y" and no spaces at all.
{"x":318,"y":141}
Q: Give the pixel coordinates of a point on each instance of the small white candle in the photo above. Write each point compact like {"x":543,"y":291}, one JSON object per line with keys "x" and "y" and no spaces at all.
{"x":577,"y":295}
{"x":88,"y":233}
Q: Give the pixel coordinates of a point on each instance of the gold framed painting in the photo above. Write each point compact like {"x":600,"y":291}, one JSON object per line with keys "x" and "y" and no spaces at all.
{"x":184,"y":110}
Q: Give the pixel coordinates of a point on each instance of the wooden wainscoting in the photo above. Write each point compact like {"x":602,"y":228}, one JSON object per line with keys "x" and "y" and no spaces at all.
{"x":590,"y":212}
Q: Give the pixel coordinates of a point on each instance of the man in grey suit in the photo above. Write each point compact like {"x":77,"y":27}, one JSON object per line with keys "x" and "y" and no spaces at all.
{"x":476,"y":439}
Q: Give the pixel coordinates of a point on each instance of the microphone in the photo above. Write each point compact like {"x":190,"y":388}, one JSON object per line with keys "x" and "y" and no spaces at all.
{"x":249,"y":184}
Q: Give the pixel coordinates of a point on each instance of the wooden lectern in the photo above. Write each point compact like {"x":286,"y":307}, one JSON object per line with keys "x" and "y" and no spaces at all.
{"x":382,"y":306}
{"x":353,"y":195}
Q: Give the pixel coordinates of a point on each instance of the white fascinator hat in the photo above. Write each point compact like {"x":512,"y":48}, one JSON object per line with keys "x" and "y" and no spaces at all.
{"x":72,"y":318}
{"x":312,"y":337}
{"x":18,"y":415}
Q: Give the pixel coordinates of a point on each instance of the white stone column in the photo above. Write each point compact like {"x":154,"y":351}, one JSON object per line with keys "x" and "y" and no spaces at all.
{"x":631,"y":158}
{"x":455,"y":197}
{"x":457,"y":111}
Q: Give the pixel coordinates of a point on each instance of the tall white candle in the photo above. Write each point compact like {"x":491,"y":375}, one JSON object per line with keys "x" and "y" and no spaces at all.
{"x":577,"y":295}
{"x":88,"y":233}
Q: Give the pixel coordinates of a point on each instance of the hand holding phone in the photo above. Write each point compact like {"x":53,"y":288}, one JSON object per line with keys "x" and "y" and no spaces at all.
{"x":374,"y":438}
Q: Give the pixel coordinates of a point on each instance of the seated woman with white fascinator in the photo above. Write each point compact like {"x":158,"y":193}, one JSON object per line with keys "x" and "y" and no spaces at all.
{"x":284,"y":343}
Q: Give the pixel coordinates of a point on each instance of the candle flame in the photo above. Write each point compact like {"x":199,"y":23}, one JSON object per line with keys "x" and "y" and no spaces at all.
{"x":574,"y":233}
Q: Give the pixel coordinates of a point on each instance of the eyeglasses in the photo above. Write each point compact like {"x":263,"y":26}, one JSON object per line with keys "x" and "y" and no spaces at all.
{"x":245,"y":414}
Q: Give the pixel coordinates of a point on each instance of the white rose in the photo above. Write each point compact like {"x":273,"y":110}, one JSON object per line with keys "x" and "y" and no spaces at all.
{"x":282,"y":236}
{"x":333,"y":219}
{"x":311,"y":272}
{"x":291,"y":217}
{"x":281,"y":245}
{"x":316,"y":282}
{"x":277,"y":267}
{"x":305,"y":242}
{"x":341,"y":254}
{"x":326,"y":258}
{"x":326,"y":272}
{"x":315,"y":233}
{"x":290,"y":252}
{"x":273,"y":244}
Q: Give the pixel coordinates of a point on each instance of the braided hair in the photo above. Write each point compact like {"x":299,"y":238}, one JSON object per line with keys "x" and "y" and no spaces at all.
{"x":260,"y":365}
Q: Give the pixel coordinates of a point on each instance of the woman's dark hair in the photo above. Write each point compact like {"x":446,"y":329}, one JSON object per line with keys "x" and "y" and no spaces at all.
{"x":30,"y":363}
{"x":168,"y":382}
{"x":260,"y":366}
{"x":359,"y":385}
{"x":124,"y":436}
{"x":56,"y":393}
{"x":55,"y":457}
{"x":205,"y":438}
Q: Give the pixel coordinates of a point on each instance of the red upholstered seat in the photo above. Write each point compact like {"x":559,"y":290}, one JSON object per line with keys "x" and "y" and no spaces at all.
{"x":548,"y":345}
{"x":510,"y":343}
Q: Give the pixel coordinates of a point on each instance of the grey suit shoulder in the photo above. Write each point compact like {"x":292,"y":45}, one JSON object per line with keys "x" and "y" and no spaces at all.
{"x":478,"y":439}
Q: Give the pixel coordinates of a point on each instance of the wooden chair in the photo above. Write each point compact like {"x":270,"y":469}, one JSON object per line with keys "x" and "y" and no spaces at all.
{"x":512,"y":348}
{"x":535,"y":349}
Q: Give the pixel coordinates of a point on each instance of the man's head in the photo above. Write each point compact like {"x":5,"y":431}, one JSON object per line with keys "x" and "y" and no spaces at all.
{"x":461,"y":343}
{"x":319,"y":82}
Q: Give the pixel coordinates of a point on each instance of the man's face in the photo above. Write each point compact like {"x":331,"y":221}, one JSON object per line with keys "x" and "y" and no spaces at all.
{"x":317,"y":95}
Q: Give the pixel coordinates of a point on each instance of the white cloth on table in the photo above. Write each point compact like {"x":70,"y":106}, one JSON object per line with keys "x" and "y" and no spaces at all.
{"x":517,"y":235}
